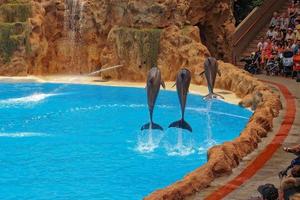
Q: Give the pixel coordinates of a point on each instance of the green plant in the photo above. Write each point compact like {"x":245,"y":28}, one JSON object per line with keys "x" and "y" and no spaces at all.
{"x":146,"y":41}
{"x":15,"y":12}
{"x":12,"y":36}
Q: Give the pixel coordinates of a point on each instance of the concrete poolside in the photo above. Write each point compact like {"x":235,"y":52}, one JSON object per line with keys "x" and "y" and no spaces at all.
{"x":229,"y":96}
{"x":269,"y":172}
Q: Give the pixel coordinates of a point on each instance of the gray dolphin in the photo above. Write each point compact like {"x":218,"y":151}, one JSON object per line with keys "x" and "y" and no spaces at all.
{"x":153,"y":85}
{"x":211,"y":69}
{"x":183,"y":81}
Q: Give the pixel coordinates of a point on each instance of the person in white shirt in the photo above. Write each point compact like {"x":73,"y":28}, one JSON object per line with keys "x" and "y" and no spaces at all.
{"x":270,"y":32}
{"x":260,"y":44}
{"x":284,"y":22}
{"x":274,"y":20}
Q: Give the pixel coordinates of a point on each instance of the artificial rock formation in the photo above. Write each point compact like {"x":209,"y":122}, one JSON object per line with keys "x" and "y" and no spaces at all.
{"x":80,"y":36}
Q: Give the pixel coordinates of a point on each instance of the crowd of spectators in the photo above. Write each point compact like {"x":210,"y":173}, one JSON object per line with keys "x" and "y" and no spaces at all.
{"x":283,"y":35}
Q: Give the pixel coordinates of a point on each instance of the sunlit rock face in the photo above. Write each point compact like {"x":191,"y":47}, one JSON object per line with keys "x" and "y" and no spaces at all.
{"x":80,"y":36}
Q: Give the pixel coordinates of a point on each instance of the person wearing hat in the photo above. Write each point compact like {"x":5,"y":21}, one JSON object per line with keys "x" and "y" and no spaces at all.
{"x":268,"y":192}
{"x":289,"y":35}
{"x":297,"y":32}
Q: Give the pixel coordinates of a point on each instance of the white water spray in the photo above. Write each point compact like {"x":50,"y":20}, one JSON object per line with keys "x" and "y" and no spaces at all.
{"x":148,"y":141}
{"x":180,"y":148}
{"x":209,"y":141}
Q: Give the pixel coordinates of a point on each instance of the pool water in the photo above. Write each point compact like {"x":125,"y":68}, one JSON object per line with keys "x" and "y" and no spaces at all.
{"x":84,"y":142}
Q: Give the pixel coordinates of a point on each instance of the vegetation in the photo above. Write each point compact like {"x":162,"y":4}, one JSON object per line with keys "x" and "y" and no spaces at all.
{"x":146,"y":41}
{"x":14,"y":28}
{"x":12,"y":36}
{"x":243,"y":7}
{"x":15,"y":12}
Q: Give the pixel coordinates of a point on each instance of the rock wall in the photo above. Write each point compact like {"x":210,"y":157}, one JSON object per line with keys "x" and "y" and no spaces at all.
{"x":80,"y":36}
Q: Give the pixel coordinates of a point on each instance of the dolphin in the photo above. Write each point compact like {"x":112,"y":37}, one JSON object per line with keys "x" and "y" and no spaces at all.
{"x":153,"y":85}
{"x":183,"y":81}
{"x":211,"y":70}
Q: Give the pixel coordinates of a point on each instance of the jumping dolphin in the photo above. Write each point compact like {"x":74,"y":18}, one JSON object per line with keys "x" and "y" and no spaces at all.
{"x":183,"y":81}
{"x":153,"y":85}
{"x":211,"y":70}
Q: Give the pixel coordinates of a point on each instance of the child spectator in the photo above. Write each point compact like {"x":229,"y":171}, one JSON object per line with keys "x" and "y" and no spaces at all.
{"x":260,"y":44}
{"x":270,"y":32}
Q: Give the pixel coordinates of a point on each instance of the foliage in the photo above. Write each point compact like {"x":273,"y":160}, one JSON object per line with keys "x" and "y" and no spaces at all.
{"x":146,"y":41}
{"x":14,"y":28}
{"x":12,"y":36}
{"x":15,"y":12}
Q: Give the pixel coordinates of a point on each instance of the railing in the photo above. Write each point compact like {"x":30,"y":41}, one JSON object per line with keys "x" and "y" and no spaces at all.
{"x":252,"y":25}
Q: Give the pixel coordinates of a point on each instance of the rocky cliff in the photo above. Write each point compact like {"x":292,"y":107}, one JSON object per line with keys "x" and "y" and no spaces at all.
{"x":79,"y":36}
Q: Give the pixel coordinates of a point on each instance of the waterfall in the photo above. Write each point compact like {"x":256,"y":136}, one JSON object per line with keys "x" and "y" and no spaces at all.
{"x":73,"y":27}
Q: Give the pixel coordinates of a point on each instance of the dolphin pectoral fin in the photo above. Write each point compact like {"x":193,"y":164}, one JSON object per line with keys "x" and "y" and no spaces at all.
{"x":216,"y":96}
{"x":181,"y":124}
{"x":163,"y":84}
{"x":151,"y":125}
{"x":200,"y":74}
{"x":213,"y":96}
{"x":219,"y":72}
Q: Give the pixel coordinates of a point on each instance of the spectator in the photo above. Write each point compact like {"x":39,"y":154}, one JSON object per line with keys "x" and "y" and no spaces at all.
{"x":297,"y":33}
{"x":277,"y":35}
{"x":295,"y":47}
{"x":267,"y":51}
{"x":284,"y":22}
{"x":290,"y":35}
{"x":270,"y":32}
{"x":289,"y":45}
{"x":268,"y":192}
{"x":260,"y":44}
{"x":274,"y":21}
{"x":292,"y":11}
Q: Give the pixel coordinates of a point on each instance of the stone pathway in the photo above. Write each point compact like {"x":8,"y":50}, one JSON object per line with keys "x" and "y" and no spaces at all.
{"x":280,"y":160}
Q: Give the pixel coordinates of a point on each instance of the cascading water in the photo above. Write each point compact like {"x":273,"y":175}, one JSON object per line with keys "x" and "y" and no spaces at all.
{"x":73,"y":27}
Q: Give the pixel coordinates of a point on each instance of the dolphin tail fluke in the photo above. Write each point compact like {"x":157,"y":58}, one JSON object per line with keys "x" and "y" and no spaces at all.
{"x":152,"y":125}
{"x":213,"y":96}
{"x":181,"y":124}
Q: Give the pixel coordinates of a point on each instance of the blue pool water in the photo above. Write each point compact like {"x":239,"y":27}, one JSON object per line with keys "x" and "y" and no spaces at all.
{"x":84,"y":142}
